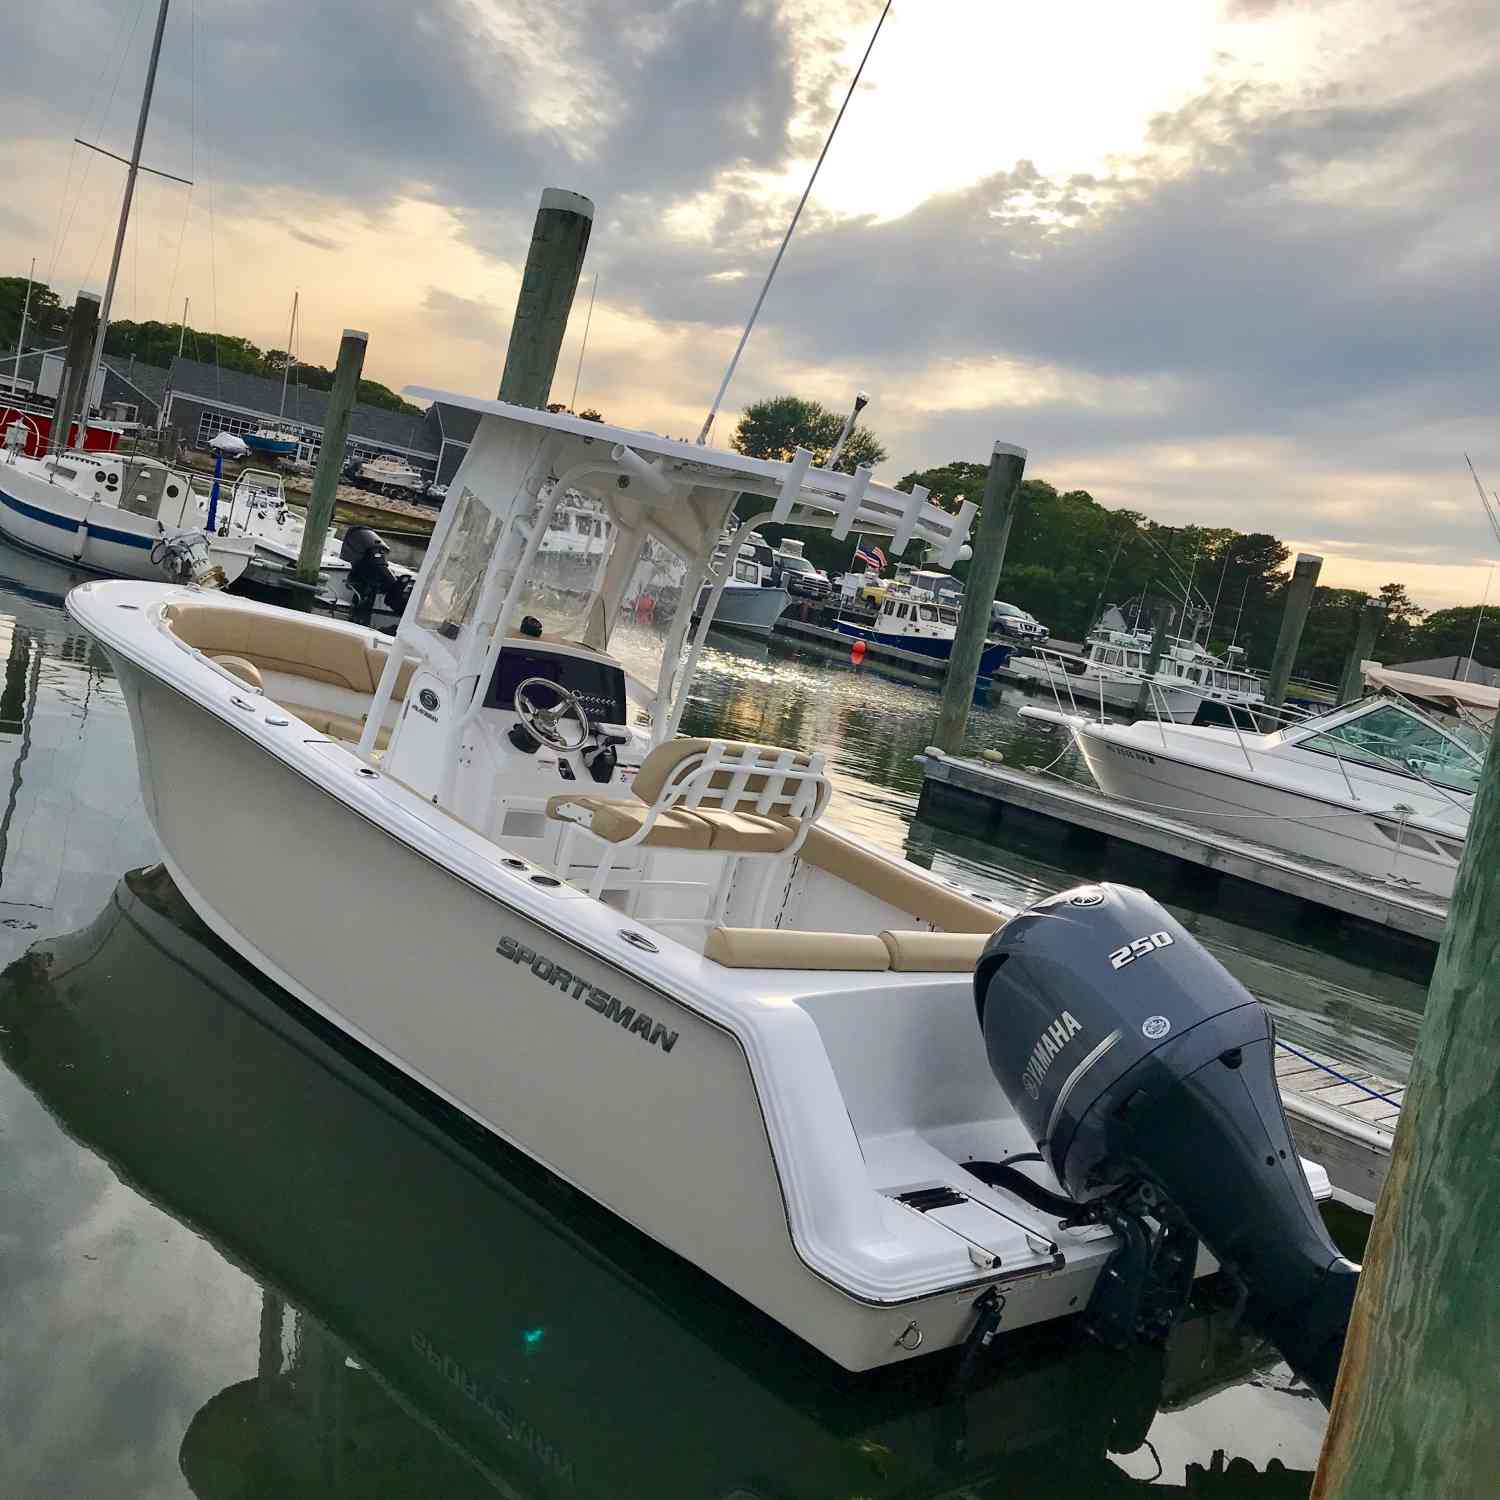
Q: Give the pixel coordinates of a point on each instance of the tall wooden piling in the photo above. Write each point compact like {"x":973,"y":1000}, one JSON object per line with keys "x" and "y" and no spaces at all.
{"x":331,"y":456}
{"x":553,"y":263}
{"x":1371,"y":618}
{"x":992,"y":533}
{"x":1417,"y":1407}
{"x":1299,"y":593}
{"x":72,"y":394}
{"x":1153,"y":658}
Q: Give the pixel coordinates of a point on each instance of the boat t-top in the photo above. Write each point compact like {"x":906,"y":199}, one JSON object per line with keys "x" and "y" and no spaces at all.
{"x":1112,"y":671}
{"x":847,"y":1089}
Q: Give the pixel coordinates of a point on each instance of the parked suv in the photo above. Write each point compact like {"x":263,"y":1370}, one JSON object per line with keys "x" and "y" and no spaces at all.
{"x":801,"y":579}
{"x":1011,"y":620}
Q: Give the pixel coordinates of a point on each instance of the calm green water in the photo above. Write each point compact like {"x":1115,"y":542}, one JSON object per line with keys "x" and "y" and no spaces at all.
{"x":239,"y":1259}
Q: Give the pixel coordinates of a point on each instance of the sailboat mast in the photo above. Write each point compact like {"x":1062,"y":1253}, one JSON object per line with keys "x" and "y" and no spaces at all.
{"x":286,"y":365}
{"x":130,"y":177}
{"x":182,"y":332}
{"x":21,"y":338}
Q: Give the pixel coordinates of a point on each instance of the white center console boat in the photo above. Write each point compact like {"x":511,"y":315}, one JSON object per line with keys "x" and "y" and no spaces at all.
{"x":651,"y":964}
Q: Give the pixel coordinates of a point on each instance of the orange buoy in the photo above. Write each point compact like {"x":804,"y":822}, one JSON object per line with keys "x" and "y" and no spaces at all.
{"x":857,"y":652}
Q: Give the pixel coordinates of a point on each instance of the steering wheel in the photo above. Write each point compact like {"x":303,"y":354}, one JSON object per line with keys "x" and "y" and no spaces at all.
{"x":542,"y":723}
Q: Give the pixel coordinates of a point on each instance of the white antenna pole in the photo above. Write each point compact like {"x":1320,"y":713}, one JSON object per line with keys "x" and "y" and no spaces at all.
{"x":130,"y":176}
{"x":182,"y":332}
{"x":786,"y":239}
{"x":25,"y":309}
{"x":583,"y":347}
{"x":861,"y":400}
{"x":286,"y":364}
{"x":1474,"y":645}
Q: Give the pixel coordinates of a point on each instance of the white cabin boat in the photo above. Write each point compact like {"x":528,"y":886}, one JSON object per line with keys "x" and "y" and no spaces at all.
{"x":112,"y":513}
{"x":1378,"y":787}
{"x":648,"y":962}
{"x":1112,"y":670}
{"x":391,"y":476}
{"x":750,"y":601}
{"x":916,"y":620}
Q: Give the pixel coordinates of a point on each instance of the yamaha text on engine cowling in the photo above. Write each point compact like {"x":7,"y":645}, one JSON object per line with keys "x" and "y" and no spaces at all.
{"x":1145,"y":1073}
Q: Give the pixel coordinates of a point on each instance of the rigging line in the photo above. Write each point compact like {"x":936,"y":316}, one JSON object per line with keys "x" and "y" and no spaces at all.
{"x":583,"y":347}
{"x":118,"y":53}
{"x":103,"y":117}
{"x":192,"y":157}
{"x":1484,"y":499}
{"x":713,"y":411}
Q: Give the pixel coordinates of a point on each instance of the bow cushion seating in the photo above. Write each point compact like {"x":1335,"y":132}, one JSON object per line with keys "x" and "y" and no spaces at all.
{"x":285,"y":643}
{"x":778,"y":948}
{"x":237,"y":666}
{"x":335,"y":725}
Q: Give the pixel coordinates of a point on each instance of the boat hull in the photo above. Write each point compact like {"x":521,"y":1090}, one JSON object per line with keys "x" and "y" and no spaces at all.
{"x":1086,"y":691}
{"x":275,"y":447}
{"x":991,"y":661}
{"x":664,"y":1128}
{"x":754,"y":611}
{"x":1308,"y":826}
{"x":86,"y":534}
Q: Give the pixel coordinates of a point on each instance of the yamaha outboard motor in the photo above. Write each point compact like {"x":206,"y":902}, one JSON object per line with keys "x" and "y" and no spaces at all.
{"x":1145,"y":1073}
{"x":370,"y":575}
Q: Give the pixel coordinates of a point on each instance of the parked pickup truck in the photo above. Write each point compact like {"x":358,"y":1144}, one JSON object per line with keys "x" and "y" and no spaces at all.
{"x":1012,"y":620}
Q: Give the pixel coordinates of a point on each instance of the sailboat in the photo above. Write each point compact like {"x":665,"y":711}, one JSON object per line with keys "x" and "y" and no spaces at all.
{"x":279,"y":441}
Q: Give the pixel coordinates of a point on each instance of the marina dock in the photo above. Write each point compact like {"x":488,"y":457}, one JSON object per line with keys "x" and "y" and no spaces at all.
{"x":1342,"y":1116}
{"x":963,"y":783}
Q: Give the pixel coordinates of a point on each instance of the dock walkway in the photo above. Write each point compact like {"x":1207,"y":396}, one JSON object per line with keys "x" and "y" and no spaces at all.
{"x":1342,"y":1116}
{"x":976,"y":781}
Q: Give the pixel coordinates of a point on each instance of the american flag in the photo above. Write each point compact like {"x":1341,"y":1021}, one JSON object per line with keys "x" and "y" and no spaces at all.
{"x":871,"y":557}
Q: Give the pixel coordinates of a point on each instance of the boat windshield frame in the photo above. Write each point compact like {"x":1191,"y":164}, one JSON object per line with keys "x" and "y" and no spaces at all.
{"x":522,"y":464}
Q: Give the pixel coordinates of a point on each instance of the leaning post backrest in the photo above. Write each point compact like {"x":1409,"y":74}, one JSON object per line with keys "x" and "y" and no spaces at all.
{"x":730,"y":776}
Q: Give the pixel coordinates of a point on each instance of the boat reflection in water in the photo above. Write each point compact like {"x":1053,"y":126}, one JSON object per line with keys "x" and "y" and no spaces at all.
{"x":441,"y":1317}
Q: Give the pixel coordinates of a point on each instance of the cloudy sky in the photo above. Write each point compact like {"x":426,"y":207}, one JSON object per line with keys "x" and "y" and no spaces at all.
{"x":1221,"y":262}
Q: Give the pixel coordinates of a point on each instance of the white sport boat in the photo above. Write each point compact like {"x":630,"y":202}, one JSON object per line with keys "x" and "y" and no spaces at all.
{"x":1378,"y":787}
{"x":749,"y":602}
{"x":651,"y":964}
{"x":392,"y":476}
{"x":114,"y":513}
{"x":1112,"y":671}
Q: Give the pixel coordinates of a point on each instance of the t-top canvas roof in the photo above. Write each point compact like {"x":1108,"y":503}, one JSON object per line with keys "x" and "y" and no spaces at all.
{"x":665,"y":472}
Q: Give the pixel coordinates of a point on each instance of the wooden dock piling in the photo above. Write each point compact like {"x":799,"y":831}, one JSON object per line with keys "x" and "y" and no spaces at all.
{"x":1371,"y":618}
{"x":331,"y":456}
{"x":1001,"y":486}
{"x":1415,"y":1409}
{"x":1299,"y":594}
{"x":553,"y":263}
{"x":72,"y":394}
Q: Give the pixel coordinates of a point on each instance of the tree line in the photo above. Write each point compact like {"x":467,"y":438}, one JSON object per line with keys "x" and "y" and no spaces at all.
{"x":154,"y":343}
{"x":1070,"y":558}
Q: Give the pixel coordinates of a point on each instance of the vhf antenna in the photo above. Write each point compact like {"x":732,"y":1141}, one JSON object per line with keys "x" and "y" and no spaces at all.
{"x":786,"y":239}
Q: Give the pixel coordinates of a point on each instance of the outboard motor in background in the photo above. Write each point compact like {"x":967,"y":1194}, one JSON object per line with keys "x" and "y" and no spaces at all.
{"x":1145,"y":1073}
{"x":370,"y":575}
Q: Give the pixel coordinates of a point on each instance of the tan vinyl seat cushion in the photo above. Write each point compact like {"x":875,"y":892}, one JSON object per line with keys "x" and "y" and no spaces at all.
{"x":662,"y":761}
{"x":775,"y":948}
{"x":246,"y":671}
{"x":747,"y":833}
{"x":934,"y":952}
{"x":336,"y":726}
{"x":898,"y":885}
{"x":296,"y":645}
{"x":616,"y":821}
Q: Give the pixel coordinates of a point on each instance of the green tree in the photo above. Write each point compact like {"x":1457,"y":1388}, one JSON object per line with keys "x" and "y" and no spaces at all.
{"x":776,"y":427}
{"x":46,"y":322}
{"x":1452,"y":632}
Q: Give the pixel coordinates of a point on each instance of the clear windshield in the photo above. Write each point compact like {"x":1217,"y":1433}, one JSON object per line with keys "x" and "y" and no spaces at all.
{"x":650,"y":616}
{"x":1395,"y":740}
